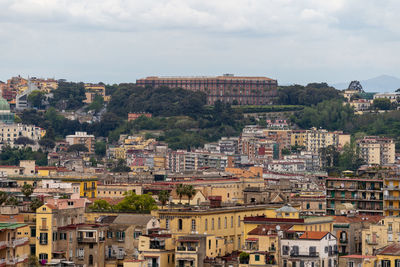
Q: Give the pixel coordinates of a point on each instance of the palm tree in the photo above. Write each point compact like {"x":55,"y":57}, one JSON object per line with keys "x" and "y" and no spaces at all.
{"x":180,"y":191}
{"x":163,"y":197}
{"x":189,"y":192}
{"x":3,"y":197}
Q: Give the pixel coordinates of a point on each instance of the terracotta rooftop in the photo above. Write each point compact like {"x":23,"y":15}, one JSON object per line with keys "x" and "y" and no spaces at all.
{"x":360,"y":218}
{"x":313,"y":235}
{"x":393,"y":249}
{"x":264,"y":229}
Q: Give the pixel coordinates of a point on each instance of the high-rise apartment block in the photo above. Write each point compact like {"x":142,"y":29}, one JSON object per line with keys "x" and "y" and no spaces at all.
{"x":227,"y":88}
{"x":377,"y":150}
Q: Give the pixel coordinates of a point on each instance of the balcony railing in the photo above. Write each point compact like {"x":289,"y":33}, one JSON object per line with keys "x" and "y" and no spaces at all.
{"x":87,"y":239}
{"x":2,"y":262}
{"x":180,"y":248}
{"x":18,"y":242}
{"x":372,"y":242}
{"x":3,"y":244}
{"x":43,"y":242}
{"x":311,"y":254}
{"x":391,"y":198}
{"x":16,"y":260}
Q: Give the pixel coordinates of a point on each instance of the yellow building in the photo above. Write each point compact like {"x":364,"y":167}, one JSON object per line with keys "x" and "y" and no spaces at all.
{"x":91,"y":90}
{"x":380,"y":235}
{"x":298,"y":138}
{"x":117,"y":190}
{"x":225,"y":223}
{"x":157,"y":249}
{"x":389,"y":255}
{"x":49,"y":217}
{"x":14,"y":244}
{"x":320,"y":138}
{"x":377,"y":150}
{"x":391,"y":197}
{"x":357,"y":260}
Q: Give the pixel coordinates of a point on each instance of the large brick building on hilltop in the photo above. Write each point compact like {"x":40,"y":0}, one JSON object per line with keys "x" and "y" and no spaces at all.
{"x":227,"y":88}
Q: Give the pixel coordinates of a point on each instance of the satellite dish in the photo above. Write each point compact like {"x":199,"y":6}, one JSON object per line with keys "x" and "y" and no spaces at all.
{"x":278,"y":227}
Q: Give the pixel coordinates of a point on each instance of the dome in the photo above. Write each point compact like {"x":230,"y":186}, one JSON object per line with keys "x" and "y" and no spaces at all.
{"x":4,"y":104}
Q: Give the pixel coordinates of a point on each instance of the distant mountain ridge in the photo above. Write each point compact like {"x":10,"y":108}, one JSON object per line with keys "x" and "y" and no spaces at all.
{"x":380,"y":84}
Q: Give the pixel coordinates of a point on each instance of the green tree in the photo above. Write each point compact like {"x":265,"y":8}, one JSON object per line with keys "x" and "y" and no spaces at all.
{"x":163,"y":197}
{"x":27,"y":190}
{"x":24,"y":141}
{"x":133,"y":202}
{"x":33,"y":261}
{"x":100,"y":205}
{"x":97,"y":103}
{"x":189,"y":192}
{"x":47,"y":144}
{"x":100,"y":148}
{"x":36,"y":99}
{"x":77,"y":148}
{"x":35,"y":204}
{"x":11,"y":201}
{"x":244,"y":257}
{"x":121,"y":167}
{"x":382,"y":104}
{"x":3,"y":197}
{"x":180,"y":191}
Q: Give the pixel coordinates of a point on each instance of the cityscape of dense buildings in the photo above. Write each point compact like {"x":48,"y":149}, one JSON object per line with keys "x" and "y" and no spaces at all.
{"x":265,"y":193}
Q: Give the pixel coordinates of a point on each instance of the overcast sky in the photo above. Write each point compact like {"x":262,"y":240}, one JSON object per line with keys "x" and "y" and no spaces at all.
{"x":121,"y":40}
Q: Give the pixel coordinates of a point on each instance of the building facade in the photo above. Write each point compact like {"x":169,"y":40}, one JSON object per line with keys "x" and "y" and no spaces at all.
{"x":227,"y":88}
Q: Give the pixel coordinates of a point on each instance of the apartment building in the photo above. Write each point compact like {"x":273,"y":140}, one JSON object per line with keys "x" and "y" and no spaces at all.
{"x":310,"y":249}
{"x":377,"y":150}
{"x":83,"y":138}
{"x":381,"y":234}
{"x":9,"y":133}
{"x":320,"y":138}
{"x":180,"y":161}
{"x":225,"y":223}
{"x":227,"y":88}
{"x":91,"y":90}
{"x":50,"y":220}
{"x":298,"y":138}
{"x":348,"y":231}
{"x":312,"y":203}
{"x":388,"y":255}
{"x":157,"y":248}
{"x":122,"y":239}
{"x":365,"y":193}
{"x":14,"y":244}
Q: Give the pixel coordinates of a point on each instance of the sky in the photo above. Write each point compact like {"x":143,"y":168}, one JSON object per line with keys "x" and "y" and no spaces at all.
{"x":113,"y":41}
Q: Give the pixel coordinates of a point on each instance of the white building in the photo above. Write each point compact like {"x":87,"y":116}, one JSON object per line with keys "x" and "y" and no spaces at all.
{"x":311,"y":249}
{"x":9,"y":133}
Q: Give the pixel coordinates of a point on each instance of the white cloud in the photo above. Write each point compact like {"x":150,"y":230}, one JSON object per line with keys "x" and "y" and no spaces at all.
{"x":287,"y":39}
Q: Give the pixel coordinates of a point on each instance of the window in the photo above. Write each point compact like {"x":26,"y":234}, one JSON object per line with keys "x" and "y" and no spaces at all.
{"x":301,"y":263}
{"x":33,"y":232}
{"x":109,"y":234}
{"x":43,"y":256}
{"x":206,"y":225}
{"x":257,"y":257}
{"x":330,"y":263}
{"x":312,"y":251}
{"x":219,"y":223}
{"x":167,"y":223}
{"x":295,"y":250}
{"x":136,"y":234}
{"x":308,"y":206}
{"x":43,"y":238}
{"x":285,"y":250}
{"x":231,"y":221}
{"x":212,"y":224}
{"x":239,"y":221}
{"x":225,"y":223}
{"x":209,"y":244}
{"x":193,"y":225}
{"x":180,"y":225}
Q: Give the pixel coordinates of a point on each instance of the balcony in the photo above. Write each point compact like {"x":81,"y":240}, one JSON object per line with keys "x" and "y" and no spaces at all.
{"x":43,"y":228}
{"x":391,"y":198}
{"x":391,"y":208}
{"x":306,"y":255}
{"x":43,"y":242}
{"x":2,"y":262}
{"x":343,"y":241}
{"x":86,"y":239}
{"x":18,"y":242}
{"x":120,"y":256}
{"x":3,"y":244}
{"x":16,"y":260}
{"x":372,"y":242}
